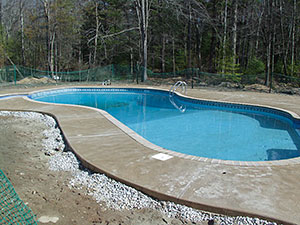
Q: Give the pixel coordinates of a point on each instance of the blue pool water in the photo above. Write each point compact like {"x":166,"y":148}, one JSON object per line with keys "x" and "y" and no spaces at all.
{"x":200,"y":128}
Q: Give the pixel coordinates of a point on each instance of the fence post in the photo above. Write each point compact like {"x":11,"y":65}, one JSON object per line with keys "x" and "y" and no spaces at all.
{"x":15,"y":75}
{"x":192,"y":78}
{"x":271,"y":81}
{"x":137,"y":73}
{"x":112,"y":71}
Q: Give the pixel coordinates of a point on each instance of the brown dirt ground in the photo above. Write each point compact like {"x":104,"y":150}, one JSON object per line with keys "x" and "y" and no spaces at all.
{"x":46,"y":192}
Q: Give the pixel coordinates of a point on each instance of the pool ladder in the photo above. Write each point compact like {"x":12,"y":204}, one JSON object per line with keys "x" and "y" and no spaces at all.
{"x":172,"y":90}
{"x":178,"y":84}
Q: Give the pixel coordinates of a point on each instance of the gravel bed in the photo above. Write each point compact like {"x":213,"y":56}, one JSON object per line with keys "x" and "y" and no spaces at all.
{"x":111,"y":193}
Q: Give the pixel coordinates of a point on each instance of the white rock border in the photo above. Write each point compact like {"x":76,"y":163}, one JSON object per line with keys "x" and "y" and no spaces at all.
{"x":112,"y":193}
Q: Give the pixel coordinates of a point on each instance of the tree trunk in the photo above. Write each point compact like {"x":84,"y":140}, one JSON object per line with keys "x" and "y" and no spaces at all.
{"x":163,"y":53}
{"x":234,"y":32}
{"x":198,"y":47}
{"x":22,"y":32}
{"x":52,"y":52}
{"x":153,"y":57}
{"x":96,"y":34}
{"x":284,"y":48}
{"x":213,"y":41}
{"x":272,"y":47}
{"x":2,"y":58}
{"x":224,"y":36}
{"x":142,"y":9}
{"x":145,"y":56}
{"x":50,"y":36}
{"x":189,"y":39}
{"x":268,"y":64}
{"x":48,"y":32}
{"x":0,"y":12}
{"x":245,"y":53}
{"x":269,"y":44}
{"x":90,"y":58}
{"x":173,"y":55}
{"x":145,"y":36}
{"x":258,"y":32}
{"x":131,"y":60}
{"x":56,"y":58}
{"x":80,"y":56}
{"x":293,"y":37}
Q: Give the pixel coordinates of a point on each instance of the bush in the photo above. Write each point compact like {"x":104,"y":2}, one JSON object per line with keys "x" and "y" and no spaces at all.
{"x":294,"y":70}
{"x":255,"y":66}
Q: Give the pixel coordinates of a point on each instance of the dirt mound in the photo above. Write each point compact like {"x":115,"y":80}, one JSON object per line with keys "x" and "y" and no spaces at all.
{"x":256,"y":87}
{"x":33,"y":80}
{"x":229,"y":85}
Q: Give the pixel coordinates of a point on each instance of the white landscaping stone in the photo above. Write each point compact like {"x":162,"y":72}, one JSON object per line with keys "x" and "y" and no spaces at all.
{"x":113,"y":193}
{"x":48,"y":219}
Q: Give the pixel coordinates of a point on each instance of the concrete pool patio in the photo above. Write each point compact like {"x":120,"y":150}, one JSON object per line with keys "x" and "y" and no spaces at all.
{"x":269,"y":191}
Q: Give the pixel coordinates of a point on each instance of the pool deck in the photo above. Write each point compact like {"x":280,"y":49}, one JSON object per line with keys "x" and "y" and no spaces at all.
{"x":268,"y":191}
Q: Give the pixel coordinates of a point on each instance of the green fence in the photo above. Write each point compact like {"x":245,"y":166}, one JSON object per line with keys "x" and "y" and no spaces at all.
{"x":196,"y":77}
{"x":12,"y":208}
{"x":193,"y":76}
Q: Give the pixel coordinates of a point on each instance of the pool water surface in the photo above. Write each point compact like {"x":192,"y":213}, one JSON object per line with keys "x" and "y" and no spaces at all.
{"x":191,"y":127}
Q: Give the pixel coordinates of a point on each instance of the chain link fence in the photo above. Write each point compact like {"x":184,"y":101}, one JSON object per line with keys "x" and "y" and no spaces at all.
{"x":18,"y":75}
{"x":12,"y":209}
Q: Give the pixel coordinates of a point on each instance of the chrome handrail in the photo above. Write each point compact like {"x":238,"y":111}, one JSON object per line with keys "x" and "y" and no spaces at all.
{"x":181,"y":108}
{"x":183,"y":85}
{"x":176,"y":85}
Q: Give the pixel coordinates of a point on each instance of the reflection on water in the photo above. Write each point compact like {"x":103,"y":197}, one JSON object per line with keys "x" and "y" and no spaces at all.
{"x":279,"y":154}
{"x":181,"y":107}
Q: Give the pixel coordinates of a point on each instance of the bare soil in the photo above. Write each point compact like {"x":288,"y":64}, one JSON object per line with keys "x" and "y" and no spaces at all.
{"x":46,"y":192}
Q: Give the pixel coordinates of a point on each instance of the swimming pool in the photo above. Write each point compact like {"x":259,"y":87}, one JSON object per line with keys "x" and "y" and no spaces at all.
{"x":190,"y":126}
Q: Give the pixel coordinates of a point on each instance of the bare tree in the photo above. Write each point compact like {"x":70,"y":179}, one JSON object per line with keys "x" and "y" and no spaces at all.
{"x":268,"y":41}
{"x":50,"y":33}
{"x":21,"y":7}
{"x":2,"y":58}
{"x":224,"y":36}
{"x":62,"y":34}
{"x":189,"y":36}
{"x":234,"y":32}
{"x":260,"y":14}
{"x":293,"y":35}
{"x":143,"y":11}
{"x":96,"y":32}
{"x":284,"y":50}
{"x":0,"y":12}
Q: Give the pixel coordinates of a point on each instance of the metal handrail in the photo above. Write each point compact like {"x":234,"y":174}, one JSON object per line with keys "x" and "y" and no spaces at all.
{"x":176,"y":85}
{"x":181,"y":108}
{"x":183,"y":85}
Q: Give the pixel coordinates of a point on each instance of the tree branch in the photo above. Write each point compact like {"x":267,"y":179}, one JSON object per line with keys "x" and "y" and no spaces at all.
{"x":121,"y":32}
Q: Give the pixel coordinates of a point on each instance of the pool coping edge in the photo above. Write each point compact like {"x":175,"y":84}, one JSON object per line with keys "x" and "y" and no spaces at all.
{"x":157,"y":148}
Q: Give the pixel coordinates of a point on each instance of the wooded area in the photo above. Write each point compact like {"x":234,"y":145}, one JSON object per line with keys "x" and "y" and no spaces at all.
{"x":226,"y":36}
